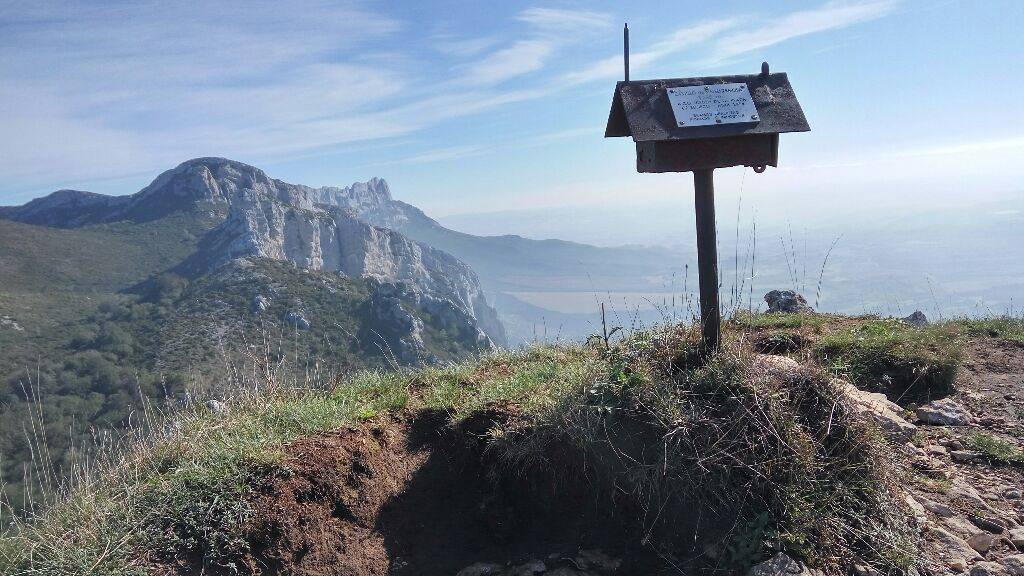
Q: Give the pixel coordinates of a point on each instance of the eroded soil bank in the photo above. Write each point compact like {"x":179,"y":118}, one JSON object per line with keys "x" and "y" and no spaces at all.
{"x":414,"y":496}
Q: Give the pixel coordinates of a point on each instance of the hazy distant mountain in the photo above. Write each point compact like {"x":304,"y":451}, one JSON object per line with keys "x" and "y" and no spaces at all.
{"x":509,"y":262}
{"x":509,"y":265}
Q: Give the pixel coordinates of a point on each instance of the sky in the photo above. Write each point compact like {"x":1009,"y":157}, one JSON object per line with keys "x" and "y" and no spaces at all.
{"x":491,"y":107}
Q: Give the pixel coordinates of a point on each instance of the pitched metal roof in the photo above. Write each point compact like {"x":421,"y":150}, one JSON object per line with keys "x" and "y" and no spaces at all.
{"x":641,"y":109}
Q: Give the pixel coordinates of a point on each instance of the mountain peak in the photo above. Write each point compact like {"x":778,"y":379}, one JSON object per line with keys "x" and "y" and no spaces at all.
{"x":375,"y":188}
{"x":208,"y":178}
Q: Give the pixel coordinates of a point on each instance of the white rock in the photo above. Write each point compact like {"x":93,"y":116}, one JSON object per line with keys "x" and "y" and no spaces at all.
{"x":260,"y":303}
{"x":953,"y":545}
{"x":861,"y":570}
{"x":879,"y":409}
{"x":1017,"y":537}
{"x":963,"y":456}
{"x":917,"y":509}
{"x":944,"y":412}
{"x":982,"y":541}
{"x":961,"y":526}
{"x":987,"y":569}
{"x":217,"y":407}
{"x":298,"y":319}
{"x":781,"y":565}
{"x":961,"y":489}
{"x":317,"y":229}
{"x":778,"y":366}
{"x":8,"y":322}
{"x":937,"y":508}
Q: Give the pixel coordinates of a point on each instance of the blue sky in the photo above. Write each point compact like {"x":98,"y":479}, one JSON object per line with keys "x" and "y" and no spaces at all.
{"x":494,"y":106}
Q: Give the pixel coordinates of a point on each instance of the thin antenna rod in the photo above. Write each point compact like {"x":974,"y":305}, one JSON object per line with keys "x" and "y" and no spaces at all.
{"x":625,"y":48}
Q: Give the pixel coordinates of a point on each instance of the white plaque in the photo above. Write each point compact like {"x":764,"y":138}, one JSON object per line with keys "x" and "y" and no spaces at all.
{"x":712,"y":104}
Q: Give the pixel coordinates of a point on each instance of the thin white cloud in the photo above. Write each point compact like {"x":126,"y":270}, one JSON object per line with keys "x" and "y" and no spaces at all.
{"x":440,"y":155}
{"x":727,"y":38}
{"x":106,"y":90}
{"x":561,"y":21}
{"x":463,"y":47}
{"x":923,"y":151}
{"x":523,"y":57}
{"x":551,"y":30}
{"x":968,"y":147}
{"x":831,"y":16}
{"x":473,"y":150}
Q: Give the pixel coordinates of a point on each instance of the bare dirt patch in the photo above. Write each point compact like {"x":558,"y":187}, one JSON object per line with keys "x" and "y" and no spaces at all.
{"x":413,"y":496}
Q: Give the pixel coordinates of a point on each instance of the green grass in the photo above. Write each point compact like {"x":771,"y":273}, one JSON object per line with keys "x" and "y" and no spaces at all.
{"x":177,"y":335}
{"x":996,"y":449}
{"x":891,"y":356}
{"x":776,"y":461}
{"x":762,"y":321}
{"x":1006,"y":327}
{"x":880,"y":354}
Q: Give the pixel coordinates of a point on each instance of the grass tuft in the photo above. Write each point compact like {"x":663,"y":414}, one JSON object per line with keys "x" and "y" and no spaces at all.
{"x":1006,"y":327}
{"x":996,"y":449}
{"x":890,"y":356}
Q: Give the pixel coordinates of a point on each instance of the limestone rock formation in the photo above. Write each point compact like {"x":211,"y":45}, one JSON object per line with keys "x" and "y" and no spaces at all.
{"x":879,"y":409}
{"x":269,"y":218}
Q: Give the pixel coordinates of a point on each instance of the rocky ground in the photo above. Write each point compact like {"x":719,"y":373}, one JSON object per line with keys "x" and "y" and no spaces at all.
{"x":967,"y":456}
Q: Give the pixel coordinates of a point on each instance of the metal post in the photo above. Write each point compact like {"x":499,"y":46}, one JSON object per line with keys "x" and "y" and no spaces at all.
{"x":707,"y":258}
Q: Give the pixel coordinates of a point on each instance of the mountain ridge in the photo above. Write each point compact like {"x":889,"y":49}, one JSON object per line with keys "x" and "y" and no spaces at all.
{"x":268,"y":218}
{"x":272,"y":218}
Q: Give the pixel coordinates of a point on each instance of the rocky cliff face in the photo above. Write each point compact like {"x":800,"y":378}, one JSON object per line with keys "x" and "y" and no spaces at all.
{"x":314,"y":228}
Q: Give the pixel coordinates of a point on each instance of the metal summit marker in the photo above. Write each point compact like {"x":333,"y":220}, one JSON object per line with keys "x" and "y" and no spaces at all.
{"x":708,"y":105}
{"x":697,"y":125}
